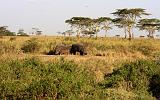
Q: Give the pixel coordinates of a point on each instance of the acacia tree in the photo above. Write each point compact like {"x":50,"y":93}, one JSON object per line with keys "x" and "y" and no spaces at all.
{"x":93,"y":26}
{"x":121,"y":23}
{"x":79,"y":23}
{"x":21,"y":32}
{"x":69,"y":32}
{"x":149,"y":25}
{"x":85,"y":25}
{"x":130,"y":17}
{"x":106,"y":23}
{"x":60,"y":33}
{"x":5,"y":32}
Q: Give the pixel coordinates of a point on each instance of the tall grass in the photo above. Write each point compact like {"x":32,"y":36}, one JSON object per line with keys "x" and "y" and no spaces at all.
{"x":7,"y":47}
{"x":101,"y":45}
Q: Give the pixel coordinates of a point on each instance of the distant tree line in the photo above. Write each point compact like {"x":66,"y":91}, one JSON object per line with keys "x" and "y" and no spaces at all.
{"x":127,"y":19}
{"x":5,"y":32}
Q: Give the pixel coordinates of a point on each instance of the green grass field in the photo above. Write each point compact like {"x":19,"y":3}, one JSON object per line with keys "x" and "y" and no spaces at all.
{"x":126,"y":70}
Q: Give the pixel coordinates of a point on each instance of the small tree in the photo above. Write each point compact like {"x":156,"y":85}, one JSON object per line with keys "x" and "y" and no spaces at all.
{"x":78,"y":23}
{"x":69,"y":32}
{"x":36,"y":31}
{"x":149,"y":25}
{"x":39,"y":32}
{"x":61,"y":33}
{"x":121,"y":23}
{"x":5,"y":32}
{"x":21,"y":32}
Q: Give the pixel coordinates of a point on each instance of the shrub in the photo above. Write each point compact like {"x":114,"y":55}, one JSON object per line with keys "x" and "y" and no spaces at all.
{"x":133,"y":76}
{"x":12,"y":39}
{"x":31,"y":78}
{"x":62,"y":79}
{"x":31,"y":46}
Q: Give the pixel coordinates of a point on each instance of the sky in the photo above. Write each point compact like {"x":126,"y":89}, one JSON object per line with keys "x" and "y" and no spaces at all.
{"x":50,"y":15}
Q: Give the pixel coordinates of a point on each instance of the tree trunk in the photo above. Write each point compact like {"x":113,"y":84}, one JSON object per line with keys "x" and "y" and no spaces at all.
{"x":132,"y":35}
{"x":106,"y":34}
{"x":90,"y":35}
{"x":96,"y":35}
{"x":152,"y":33}
{"x":78,"y":34}
{"x":125,"y":31}
{"x":131,"y":29}
{"x":149,"y":34}
{"x":129,"y":33}
{"x":69,"y":36}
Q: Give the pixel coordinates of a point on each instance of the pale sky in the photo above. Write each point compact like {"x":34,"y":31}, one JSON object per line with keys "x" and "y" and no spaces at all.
{"x":50,"y":15}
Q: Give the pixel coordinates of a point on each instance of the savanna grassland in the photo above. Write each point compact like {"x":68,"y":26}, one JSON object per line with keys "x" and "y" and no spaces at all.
{"x":113,"y":69}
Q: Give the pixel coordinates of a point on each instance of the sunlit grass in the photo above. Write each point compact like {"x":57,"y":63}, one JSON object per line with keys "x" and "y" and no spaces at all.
{"x":104,"y":56}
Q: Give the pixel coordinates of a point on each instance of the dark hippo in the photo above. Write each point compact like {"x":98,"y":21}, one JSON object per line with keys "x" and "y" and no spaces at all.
{"x":62,"y":49}
{"x":78,"y":48}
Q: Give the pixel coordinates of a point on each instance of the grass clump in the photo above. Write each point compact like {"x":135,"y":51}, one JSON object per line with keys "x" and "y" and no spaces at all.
{"x":31,"y":46}
{"x":146,"y":50}
{"x":7,"y":47}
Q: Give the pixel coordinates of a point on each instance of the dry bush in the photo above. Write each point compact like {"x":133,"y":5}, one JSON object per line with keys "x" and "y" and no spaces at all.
{"x":31,"y":46}
{"x":12,"y":39}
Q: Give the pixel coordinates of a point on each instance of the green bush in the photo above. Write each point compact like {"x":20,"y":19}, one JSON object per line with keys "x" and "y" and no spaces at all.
{"x":31,"y":46}
{"x":133,"y":76}
{"x":30,"y":79}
